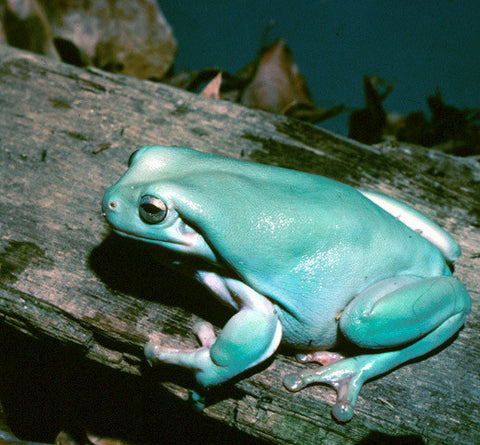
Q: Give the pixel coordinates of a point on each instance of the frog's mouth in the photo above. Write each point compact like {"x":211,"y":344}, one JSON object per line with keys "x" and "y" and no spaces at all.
{"x":147,"y":239}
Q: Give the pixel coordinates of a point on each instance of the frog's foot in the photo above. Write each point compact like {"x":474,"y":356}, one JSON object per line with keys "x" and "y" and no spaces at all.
{"x":157,"y":354}
{"x":345,"y":376}
{"x":247,"y":339}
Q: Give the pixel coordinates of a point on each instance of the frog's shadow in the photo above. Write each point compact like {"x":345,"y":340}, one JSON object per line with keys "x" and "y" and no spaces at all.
{"x":127,"y":266}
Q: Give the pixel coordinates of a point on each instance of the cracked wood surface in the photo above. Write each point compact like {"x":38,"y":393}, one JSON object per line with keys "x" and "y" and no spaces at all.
{"x":66,"y":281}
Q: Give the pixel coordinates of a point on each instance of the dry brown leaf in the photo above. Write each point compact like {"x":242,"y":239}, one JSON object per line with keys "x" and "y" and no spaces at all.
{"x":367,"y":124}
{"x":212,"y":90}
{"x":63,"y":438}
{"x":25,"y":25}
{"x":277,"y":83}
{"x":271,"y":82}
{"x":131,"y":37}
{"x":450,"y":129}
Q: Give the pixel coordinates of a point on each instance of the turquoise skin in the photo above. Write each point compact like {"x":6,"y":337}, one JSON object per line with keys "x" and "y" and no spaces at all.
{"x":301,"y":258}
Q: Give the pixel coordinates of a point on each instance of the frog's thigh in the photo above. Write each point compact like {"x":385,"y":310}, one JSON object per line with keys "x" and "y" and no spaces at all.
{"x":403,"y":309}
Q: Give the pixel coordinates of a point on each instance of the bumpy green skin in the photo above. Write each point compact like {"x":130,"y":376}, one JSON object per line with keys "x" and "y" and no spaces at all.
{"x":300,"y":257}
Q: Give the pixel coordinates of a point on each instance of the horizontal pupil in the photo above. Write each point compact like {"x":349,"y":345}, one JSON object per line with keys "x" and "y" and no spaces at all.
{"x":151,"y":208}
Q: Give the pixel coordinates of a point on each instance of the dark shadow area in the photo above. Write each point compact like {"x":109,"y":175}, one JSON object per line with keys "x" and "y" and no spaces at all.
{"x":377,"y":438}
{"x":69,"y":52}
{"x":47,"y":389}
{"x":129,"y":267}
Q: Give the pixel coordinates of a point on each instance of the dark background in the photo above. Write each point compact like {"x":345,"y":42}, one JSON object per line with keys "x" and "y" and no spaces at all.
{"x":416,"y":45}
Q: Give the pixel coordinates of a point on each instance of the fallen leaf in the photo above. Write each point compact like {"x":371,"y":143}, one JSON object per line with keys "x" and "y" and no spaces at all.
{"x":24,"y":25}
{"x":64,"y":438}
{"x":367,"y":124}
{"x":212,"y":90}
{"x":277,"y":83}
{"x":98,"y":440}
{"x":131,"y":37}
{"x":450,"y":129}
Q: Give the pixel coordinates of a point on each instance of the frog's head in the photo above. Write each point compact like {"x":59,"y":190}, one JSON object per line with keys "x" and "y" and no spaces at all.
{"x":144,"y":204}
{"x":248,"y":218}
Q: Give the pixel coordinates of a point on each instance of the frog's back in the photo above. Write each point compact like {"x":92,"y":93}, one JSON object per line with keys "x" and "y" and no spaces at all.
{"x":291,"y":234}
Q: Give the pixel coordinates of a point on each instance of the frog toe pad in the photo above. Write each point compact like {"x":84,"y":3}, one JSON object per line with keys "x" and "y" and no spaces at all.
{"x":205,"y":333}
{"x":294,"y":382}
{"x":342,"y":411}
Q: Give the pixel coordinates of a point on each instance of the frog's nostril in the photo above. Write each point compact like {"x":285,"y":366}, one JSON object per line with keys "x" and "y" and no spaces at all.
{"x":112,"y":205}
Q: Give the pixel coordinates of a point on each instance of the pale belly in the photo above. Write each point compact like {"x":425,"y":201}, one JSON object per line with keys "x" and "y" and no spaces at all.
{"x":315,"y":333}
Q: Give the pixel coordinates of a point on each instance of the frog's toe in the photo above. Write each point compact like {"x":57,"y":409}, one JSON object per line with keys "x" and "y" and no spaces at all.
{"x":152,"y":352}
{"x":197,"y":400}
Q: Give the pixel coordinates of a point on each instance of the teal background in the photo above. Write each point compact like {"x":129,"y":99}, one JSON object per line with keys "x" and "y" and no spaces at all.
{"x":415,"y":45}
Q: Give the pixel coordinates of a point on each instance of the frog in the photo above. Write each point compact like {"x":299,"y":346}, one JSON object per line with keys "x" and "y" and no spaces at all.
{"x":303,"y":260}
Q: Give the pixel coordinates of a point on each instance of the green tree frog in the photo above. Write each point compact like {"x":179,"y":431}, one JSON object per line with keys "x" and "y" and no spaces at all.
{"x":302,"y":259}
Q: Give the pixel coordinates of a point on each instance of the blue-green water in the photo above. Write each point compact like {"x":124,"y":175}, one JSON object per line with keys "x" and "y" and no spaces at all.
{"x":415,"y":45}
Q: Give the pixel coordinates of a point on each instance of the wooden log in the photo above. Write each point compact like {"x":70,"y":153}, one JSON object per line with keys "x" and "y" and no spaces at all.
{"x":65,"y":280}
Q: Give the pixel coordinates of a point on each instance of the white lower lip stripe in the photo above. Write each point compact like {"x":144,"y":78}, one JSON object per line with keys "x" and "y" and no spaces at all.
{"x":144,"y":238}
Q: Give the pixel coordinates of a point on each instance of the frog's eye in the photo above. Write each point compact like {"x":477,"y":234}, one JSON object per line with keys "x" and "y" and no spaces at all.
{"x":151,"y":209}
{"x":130,"y":159}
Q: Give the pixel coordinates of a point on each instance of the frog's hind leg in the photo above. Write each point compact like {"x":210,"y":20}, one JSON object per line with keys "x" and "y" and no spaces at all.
{"x":408,"y":315}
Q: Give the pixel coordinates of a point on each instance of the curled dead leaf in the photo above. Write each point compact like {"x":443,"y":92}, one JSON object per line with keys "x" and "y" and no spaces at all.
{"x":276,"y":84}
{"x":212,"y":90}
{"x":131,"y":37}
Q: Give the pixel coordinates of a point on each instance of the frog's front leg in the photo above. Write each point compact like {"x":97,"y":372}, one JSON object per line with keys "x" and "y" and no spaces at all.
{"x":248,"y":338}
{"x":409,"y":315}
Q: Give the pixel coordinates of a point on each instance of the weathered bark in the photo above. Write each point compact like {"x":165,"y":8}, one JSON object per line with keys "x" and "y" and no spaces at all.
{"x":66,"y":134}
